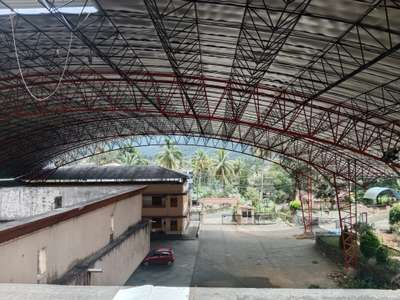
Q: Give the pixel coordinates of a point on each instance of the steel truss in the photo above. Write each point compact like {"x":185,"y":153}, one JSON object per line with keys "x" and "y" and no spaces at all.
{"x":304,"y":81}
{"x":155,"y":140}
{"x":300,"y":110}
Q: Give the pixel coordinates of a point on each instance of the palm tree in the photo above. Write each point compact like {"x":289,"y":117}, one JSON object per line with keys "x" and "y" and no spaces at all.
{"x":132,"y":157}
{"x":171,"y":157}
{"x":102,"y":157}
{"x":201,"y":164}
{"x":242,"y":173}
{"x":223,"y":168}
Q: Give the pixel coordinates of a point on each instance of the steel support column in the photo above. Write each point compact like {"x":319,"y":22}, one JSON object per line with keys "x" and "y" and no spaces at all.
{"x":306,"y":203}
{"x":347,"y":221}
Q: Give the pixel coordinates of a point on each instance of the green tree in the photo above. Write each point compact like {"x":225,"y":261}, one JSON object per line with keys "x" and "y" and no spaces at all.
{"x":394,"y":214}
{"x":223,"y":168}
{"x":241,"y":173}
{"x":253,"y":195}
{"x":324,"y":191}
{"x":131,"y":157}
{"x":171,"y":157}
{"x":201,"y":165}
{"x":282,"y":184}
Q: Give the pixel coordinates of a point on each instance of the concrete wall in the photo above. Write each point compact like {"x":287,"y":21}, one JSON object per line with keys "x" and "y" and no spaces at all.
{"x":65,"y":243}
{"x":119,"y":264}
{"x":24,"y":201}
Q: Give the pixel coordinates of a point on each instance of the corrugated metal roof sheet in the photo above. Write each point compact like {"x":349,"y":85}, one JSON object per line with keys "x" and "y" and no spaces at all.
{"x":113,"y":174}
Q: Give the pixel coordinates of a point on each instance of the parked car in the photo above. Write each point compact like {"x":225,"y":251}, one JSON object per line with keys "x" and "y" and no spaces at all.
{"x":159,"y":256}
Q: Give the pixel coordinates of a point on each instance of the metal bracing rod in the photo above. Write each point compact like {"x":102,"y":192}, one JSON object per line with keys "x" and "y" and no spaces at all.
{"x":39,"y":106}
{"x":340,"y":75}
{"x":280,"y":32}
{"x":60,"y":46}
{"x":53,"y":10}
{"x":173,"y":51}
{"x":330,"y":45}
{"x":262,"y":93}
{"x":299,"y":151}
{"x":365,"y":115}
{"x":305,"y":14}
{"x":71,"y":74}
{"x":223,"y":120}
{"x":76,"y":153}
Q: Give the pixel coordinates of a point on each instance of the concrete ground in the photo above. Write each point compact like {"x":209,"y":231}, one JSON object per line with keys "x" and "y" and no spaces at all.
{"x":50,"y":292}
{"x":177,"y":274}
{"x":259,"y":256}
{"x":244,"y":256}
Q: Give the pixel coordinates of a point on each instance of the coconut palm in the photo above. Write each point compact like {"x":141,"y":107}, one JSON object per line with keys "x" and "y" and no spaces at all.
{"x":242,"y":173}
{"x":201,"y":164}
{"x":171,"y":157}
{"x":223,"y":168}
{"x":132,"y":157}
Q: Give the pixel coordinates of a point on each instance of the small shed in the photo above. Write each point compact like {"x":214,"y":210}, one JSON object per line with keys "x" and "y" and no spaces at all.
{"x":373,"y":194}
{"x":246,"y":211}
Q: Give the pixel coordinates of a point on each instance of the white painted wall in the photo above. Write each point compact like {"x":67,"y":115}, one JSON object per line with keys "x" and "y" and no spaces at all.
{"x":68,"y":241}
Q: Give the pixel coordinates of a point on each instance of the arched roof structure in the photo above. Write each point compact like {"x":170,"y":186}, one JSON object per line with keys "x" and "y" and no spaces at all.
{"x":312,"y":80}
{"x":374,"y":192}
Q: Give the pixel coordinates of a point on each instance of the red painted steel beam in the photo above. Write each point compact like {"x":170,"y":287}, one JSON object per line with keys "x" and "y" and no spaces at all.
{"x":262,"y":91}
{"x":319,"y":167}
{"x":180,"y":115}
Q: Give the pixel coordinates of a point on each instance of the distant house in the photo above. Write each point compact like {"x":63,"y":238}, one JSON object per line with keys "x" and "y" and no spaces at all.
{"x":166,"y":199}
{"x":214,"y":202}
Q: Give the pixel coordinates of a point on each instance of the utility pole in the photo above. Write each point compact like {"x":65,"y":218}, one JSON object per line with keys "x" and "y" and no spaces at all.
{"x":262,"y":186}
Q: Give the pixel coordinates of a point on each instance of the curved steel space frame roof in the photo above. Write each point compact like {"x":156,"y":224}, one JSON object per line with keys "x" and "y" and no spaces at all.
{"x":312,"y":80}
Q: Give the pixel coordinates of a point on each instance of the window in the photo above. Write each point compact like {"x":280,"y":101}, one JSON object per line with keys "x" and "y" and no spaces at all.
{"x":174,"y":202}
{"x":174,"y":225}
{"x":57,"y":202}
{"x":156,"y":201}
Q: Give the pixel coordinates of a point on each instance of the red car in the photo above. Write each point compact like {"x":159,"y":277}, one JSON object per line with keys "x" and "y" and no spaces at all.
{"x":160,"y":256}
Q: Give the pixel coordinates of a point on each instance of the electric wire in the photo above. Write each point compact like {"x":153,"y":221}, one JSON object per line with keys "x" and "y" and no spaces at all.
{"x":20,"y":69}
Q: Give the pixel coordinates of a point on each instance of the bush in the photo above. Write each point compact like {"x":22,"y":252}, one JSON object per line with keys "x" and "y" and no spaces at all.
{"x":384,"y":200}
{"x":364,"y":227}
{"x":369,"y":244}
{"x":295,"y":204}
{"x":394,"y":214}
{"x":395,"y":228}
{"x":382,"y":255}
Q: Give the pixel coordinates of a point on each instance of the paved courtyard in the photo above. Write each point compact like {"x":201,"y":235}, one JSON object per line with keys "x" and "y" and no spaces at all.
{"x":258,"y":256}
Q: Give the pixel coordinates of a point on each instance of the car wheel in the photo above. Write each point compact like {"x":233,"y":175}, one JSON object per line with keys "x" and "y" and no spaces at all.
{"x":170,"y":262}
{"x":146,"y":263}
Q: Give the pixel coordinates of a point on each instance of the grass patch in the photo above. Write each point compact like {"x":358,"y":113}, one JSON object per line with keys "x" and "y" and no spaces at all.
{"x":332,"y":241}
